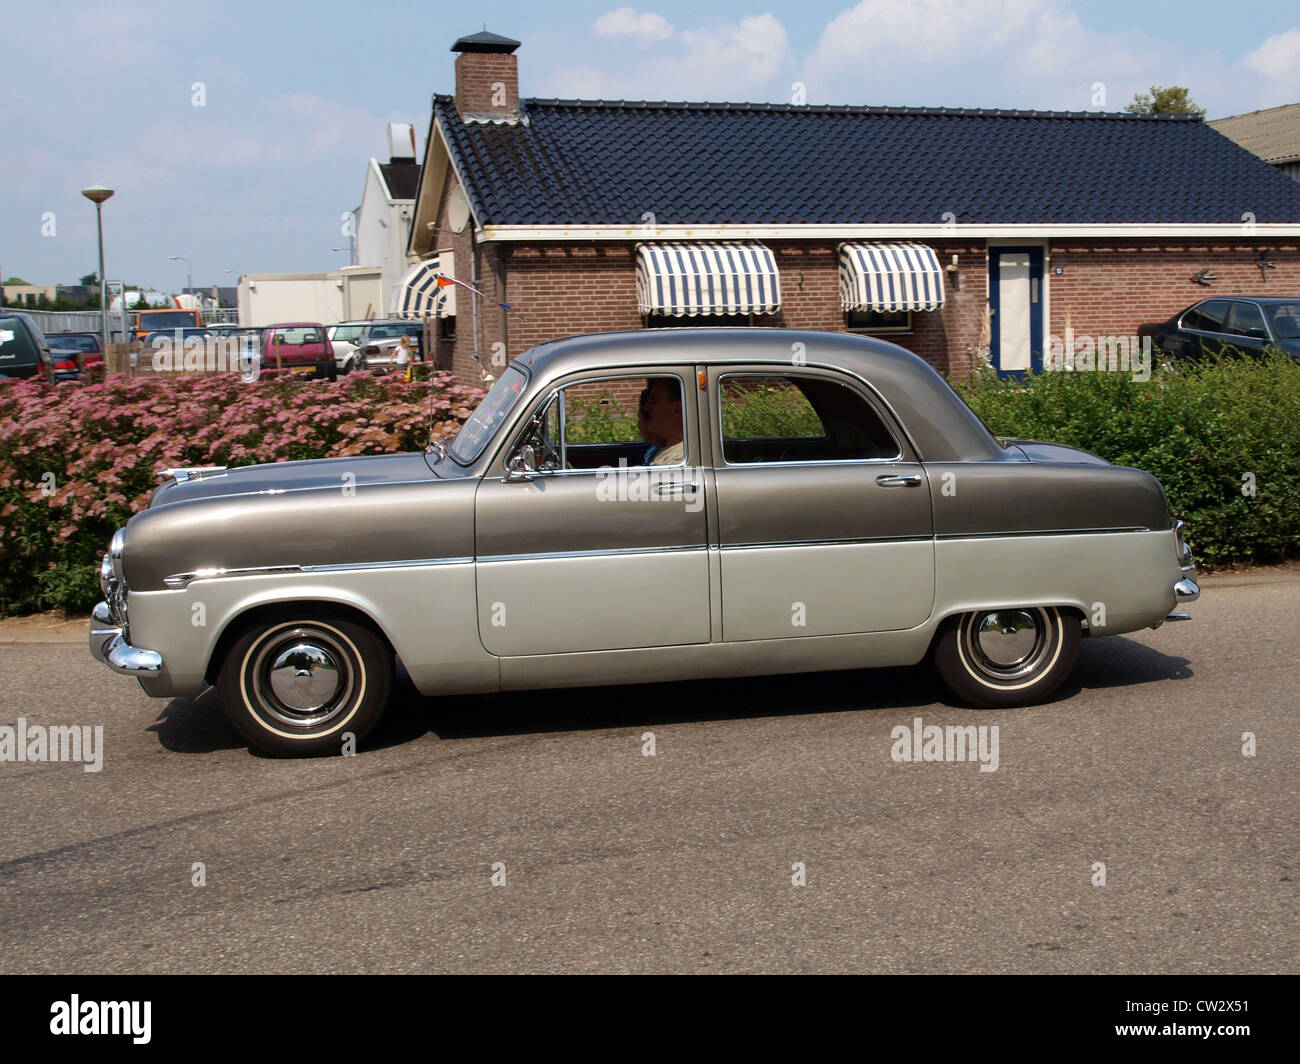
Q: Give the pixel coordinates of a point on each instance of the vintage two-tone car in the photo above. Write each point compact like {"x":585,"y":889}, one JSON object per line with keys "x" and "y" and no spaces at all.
{"x":641,"y":507}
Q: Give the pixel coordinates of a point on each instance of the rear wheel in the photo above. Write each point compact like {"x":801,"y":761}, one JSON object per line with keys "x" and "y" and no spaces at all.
{"x":294,"y":684}
{"x":1008,"y":657}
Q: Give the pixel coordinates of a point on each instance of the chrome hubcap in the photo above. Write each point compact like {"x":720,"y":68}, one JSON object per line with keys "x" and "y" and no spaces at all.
{"x":305,"y":677}
{"x":1006,"y":638}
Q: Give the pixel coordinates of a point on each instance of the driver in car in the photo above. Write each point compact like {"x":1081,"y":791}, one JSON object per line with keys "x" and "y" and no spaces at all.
{"x":663,"y":419}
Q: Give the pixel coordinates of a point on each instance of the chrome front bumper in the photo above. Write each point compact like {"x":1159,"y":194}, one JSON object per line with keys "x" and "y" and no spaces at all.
{"x":107,"y":644}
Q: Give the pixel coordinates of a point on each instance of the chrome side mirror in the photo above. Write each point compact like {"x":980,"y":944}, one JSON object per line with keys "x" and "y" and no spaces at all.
{"x":521,"y":465}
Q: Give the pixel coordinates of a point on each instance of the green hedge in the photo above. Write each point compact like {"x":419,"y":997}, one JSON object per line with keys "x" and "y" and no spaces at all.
{"x":1204,"y":430}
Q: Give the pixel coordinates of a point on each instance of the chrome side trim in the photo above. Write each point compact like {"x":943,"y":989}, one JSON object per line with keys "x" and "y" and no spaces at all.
{"x":550,"y":555}
{"x":177,"y":581}
{"x":1040,"y":532}
{"x":824,"y":542}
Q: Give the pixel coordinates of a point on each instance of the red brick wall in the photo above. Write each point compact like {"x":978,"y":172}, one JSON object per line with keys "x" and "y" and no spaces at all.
{"x":476,"y":73}
{"x":1109,"y":289}
{"x":1106,"y":289}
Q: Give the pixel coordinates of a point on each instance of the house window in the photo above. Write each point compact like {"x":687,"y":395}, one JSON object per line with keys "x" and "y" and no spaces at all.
{"x":878,"y":321}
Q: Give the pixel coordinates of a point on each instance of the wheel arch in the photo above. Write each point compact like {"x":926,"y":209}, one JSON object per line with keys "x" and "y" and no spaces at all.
{"x":243,"y":617}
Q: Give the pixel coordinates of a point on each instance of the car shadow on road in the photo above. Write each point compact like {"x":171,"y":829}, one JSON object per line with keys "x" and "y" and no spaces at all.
{"x":196,"y":725}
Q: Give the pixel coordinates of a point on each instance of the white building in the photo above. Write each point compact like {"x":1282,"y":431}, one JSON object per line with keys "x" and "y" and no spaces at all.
{"x":383,"y":221}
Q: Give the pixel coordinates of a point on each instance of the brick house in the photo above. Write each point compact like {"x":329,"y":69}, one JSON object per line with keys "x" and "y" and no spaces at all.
{"x":956,"y":233}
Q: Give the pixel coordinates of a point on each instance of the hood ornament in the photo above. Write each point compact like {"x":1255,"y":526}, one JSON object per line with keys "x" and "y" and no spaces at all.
{"x":187,"y":473}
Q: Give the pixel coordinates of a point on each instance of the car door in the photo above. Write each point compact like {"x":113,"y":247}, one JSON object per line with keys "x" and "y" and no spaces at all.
{"x":593,"y":547}
{"x":824,"y":518}
{"x":1205,"y":325}
{"x":1246,"y":326}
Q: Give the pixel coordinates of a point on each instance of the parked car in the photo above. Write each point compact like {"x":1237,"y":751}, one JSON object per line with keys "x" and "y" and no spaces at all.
{"x":24,"y":351}
{"x":344,"y":339}
{"x":812,"y":501}
{"x":85,"y":349}
{"x":300,"y":346}
{"x":1247,"y":324}
{"x":378,"y":343}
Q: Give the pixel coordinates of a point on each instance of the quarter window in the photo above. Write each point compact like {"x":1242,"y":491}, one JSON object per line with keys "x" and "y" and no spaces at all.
{"x":793,"y":418}
{"x":1207,"y":317}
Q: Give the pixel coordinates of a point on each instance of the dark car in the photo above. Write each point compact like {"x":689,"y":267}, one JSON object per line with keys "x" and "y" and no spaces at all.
{"x":82,"y":348}
{"x":24,"y":351}
{"x":300,"y":346}
{"x":1224,"y":324}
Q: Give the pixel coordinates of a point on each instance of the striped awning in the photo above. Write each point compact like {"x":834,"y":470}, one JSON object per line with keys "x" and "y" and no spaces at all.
{"x":418,"y":294}
{"x":694,"y":280}
{"x":890,"y":277}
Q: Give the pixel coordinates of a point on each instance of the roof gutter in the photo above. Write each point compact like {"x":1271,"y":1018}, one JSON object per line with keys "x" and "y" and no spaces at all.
{"x":1229,"y":230}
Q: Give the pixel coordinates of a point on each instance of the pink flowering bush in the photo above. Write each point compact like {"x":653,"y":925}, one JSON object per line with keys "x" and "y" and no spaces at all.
{"x":77,"y":460}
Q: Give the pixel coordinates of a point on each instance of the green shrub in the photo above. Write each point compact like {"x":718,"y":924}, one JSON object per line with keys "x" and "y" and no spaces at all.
{"x":1205,"y":430}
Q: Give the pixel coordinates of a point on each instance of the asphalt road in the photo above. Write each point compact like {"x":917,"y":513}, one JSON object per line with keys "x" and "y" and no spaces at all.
{"x":617,"y":862}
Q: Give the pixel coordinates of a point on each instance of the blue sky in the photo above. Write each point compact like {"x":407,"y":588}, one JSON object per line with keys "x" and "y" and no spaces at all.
{"x":298,"y":95}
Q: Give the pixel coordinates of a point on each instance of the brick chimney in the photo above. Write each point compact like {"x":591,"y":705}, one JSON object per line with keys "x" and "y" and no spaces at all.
{"x":487,"y":76}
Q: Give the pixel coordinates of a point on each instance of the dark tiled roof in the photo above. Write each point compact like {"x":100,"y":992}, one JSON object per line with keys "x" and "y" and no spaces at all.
{"x":580,"y":162}
{"x":402,"y":179}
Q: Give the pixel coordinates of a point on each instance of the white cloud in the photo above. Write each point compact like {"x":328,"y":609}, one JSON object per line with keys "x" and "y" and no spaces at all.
{"x":645,"y":27}
{"x":743,"y":60}
{"x":1278,"y":57}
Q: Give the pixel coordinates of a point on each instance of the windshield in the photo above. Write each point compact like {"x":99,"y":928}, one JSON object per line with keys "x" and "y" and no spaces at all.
{"x":347,"y":333}
{"x":165,"y":319}
{"x":1285,"y":319}
{"x":482,"y":424}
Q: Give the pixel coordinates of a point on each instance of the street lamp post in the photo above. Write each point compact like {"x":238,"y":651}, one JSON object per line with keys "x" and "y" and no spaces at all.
{"x":97,"y":194}
{"x":189,"y":271}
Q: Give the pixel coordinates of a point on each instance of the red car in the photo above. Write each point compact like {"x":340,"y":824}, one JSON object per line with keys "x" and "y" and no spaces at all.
{"x":300,"y":346}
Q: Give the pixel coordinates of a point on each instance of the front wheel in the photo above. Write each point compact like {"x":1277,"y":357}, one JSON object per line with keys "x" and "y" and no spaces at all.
{"x":295,"y":685}
{"x":1008,"y":657}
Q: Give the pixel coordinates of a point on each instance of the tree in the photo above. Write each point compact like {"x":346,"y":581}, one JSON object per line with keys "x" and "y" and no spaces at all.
{"x":16,"y":280}
{"x":1171,"y":101}
{"x":91,"y":279}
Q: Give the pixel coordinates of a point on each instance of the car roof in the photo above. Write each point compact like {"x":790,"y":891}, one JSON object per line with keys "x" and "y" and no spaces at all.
{"x":942,"y":426}
{"x":1252,"y":299}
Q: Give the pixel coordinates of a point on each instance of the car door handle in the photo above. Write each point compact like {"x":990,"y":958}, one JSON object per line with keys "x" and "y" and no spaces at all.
{"x":900,"y":480}
{"x":675,"y":489}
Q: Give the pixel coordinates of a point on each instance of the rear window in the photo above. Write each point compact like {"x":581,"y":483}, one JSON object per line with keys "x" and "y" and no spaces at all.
{"x":297,"y":335}
{"x":16,"y":347}
{"x":74,"y":343}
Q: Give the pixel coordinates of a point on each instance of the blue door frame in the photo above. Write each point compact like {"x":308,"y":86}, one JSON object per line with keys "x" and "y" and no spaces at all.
{"x":1035,"y":252}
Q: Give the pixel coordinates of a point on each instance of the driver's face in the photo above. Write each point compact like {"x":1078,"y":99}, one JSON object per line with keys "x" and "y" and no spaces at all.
{"x":663,"y":411}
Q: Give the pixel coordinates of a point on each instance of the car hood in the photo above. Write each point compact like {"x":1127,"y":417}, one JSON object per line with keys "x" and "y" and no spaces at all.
{"x":278,"y":478}
{"x":382,"y":510}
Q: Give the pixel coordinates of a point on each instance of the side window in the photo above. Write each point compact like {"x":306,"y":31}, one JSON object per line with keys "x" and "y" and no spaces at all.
{"x":1207,"y":317}
{"x":1247,"y":319}
{"x":633,"y":420}
{"x":793,"y":418}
